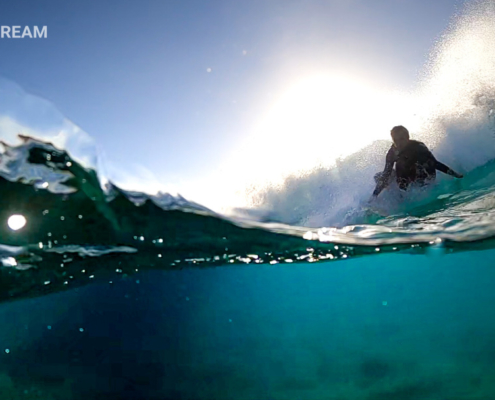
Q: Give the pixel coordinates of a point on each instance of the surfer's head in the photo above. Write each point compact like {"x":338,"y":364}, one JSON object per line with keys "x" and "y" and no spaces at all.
{"x":400,"y":136}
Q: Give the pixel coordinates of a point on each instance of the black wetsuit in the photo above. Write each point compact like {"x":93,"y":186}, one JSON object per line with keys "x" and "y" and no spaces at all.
{"x":414,"y":163}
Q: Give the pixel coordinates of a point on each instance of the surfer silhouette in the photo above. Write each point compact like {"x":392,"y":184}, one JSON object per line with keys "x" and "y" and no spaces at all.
{"x":414,"y":163}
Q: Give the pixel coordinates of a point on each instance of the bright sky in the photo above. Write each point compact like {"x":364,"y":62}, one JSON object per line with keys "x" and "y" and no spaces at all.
{"x":181,"y":88}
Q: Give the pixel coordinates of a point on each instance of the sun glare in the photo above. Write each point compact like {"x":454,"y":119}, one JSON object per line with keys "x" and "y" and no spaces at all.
{"x":16,"y":222}
{"x":319,"y":119}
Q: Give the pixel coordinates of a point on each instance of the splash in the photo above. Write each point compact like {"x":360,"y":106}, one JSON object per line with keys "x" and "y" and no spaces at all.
{"x":25,"y":114}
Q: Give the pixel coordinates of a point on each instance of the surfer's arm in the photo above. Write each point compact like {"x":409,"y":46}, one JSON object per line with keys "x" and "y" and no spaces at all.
{"x":446,"y":170}
{"x":383,"y":179}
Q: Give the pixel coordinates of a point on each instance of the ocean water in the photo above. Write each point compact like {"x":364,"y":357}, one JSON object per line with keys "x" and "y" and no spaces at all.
{"x":306,"y":291}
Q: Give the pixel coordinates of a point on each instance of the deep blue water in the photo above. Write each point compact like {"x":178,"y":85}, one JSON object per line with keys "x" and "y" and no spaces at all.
{"x":385,"y":327}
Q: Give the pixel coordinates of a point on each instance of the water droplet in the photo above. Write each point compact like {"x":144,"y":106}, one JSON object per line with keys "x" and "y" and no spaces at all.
{"x":16,"y":222}
{"x":9,"y":262}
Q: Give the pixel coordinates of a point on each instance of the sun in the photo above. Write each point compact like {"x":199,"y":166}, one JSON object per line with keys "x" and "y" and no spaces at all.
{"x":318,"y":119}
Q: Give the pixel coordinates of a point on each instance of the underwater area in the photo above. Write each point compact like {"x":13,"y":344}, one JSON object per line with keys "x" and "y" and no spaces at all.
{"x":307,"y":290}
{"x":400,"y":327}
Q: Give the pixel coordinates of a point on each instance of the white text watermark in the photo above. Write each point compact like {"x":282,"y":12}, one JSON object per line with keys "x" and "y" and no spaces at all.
{"x":22,"y":32}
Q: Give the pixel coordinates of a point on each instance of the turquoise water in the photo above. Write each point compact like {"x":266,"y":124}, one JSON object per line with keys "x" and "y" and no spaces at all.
{"x":398,"y":327}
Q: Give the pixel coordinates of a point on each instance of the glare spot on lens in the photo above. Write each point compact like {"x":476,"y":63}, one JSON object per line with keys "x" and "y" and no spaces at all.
{"x":9,"y":262}
{"x":16,"y":222}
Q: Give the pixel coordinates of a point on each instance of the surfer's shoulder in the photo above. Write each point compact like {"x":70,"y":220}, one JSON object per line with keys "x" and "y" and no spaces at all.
{"x":392,"y":149}
{"x":418,"y":144}
{"x":417,"y":147}
{"x":392,"y":153}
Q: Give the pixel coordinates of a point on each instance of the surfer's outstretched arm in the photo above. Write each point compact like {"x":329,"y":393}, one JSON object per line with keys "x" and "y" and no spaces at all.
{"x":383,"y":178}
{"x":446,"y":170}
